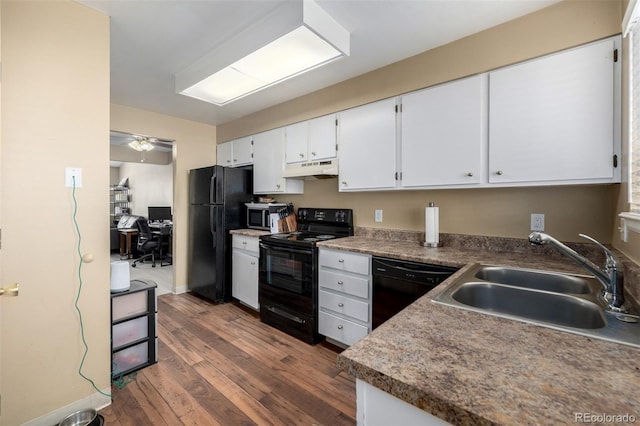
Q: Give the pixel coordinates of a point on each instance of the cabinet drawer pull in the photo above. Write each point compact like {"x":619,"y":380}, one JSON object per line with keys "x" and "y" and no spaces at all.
{"x":340,"y":305}
{"x":244,"y":243}
{"x":339,"y":327}
{"x":341,"y":260}
{"x":470,"y":174}
{"x":340,"y":282}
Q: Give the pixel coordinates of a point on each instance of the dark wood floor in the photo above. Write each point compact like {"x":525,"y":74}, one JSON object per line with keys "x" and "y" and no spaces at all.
{"x":219,"y":365}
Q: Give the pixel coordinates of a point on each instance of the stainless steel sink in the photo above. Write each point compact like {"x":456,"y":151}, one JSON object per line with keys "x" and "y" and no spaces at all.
{"x":539,"y":280}
{"x":565,"y":302}
{"x":560,"y":309}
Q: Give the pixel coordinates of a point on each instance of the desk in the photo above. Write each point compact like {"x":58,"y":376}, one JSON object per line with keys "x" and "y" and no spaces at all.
{"x":125,"y":241}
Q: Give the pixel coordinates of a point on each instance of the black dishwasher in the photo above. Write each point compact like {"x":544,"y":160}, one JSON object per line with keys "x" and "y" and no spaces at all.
{"x":398,"y":283}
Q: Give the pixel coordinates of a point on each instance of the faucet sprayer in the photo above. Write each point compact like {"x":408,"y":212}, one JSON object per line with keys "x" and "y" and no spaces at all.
{"x":610,"y":276}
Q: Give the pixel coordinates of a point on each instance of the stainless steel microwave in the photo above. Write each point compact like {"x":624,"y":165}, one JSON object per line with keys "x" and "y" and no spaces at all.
{"x":258,"y":215}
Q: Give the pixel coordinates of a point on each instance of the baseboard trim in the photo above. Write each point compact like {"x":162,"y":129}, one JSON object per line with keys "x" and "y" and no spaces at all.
{"x":96,"y":401}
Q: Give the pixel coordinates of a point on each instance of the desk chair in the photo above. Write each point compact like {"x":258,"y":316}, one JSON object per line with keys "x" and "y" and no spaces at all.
{"x":148,"y":244}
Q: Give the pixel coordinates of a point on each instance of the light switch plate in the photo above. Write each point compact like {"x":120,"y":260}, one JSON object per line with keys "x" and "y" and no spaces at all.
{"x":69,"y":174}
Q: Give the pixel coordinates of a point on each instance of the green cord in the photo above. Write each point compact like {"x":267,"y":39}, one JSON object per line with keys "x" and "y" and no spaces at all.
{"x":84,"y":341}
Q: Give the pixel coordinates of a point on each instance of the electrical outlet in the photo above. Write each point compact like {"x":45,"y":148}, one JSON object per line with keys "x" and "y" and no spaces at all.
{"x":537,"y":221}
{"x":71,"y":174}
{"x":378,"y":215}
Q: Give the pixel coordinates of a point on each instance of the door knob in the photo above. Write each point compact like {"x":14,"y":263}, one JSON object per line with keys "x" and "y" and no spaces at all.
{"x":10,"y":290}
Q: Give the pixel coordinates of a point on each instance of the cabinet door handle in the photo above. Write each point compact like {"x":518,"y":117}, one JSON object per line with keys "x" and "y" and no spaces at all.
{"x":341,"y":260}
{"x":228,"y":161}
{"x":301,"y":155}
{"x":340,"y":305}
{"x":340,"y":282}
{"x":339,"y":327}
{"x":313,"y":153}
{"x":253,"y":262}
{"x":278,"y":186}
{"x":244,"y":243}
{"x":470,"y":174}
{"x":499,"y":172}
{"x":344,"y":183}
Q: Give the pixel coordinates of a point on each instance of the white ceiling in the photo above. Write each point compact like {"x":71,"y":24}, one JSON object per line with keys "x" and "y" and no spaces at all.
{"x":153,"y":40}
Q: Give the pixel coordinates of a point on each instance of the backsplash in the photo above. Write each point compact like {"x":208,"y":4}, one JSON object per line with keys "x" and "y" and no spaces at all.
{"x":630,"y":269}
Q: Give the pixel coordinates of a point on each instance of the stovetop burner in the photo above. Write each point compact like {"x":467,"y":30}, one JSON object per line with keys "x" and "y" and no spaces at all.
{"x":315,"y":225}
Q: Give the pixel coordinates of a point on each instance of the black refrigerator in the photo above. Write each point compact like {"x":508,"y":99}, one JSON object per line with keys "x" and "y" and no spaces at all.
{"x":217,"y":197}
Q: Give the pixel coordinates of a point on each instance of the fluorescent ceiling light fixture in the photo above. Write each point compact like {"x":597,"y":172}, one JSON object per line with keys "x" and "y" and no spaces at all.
{"x":294,"y":38}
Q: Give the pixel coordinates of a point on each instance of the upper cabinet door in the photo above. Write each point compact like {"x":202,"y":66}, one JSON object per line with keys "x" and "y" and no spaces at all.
{"x":322,"y":138}
{"x":268,"y":165}
{"x":443,"y":132}
{"x":297,"y":137}
{"x":367,"y":146}
{"x":553,"y":118}
{"x":224,"y":154}
{"x":242,"y":151}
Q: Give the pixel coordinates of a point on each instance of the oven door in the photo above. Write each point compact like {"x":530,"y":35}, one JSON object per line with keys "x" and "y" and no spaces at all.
{"x":287,"y":268}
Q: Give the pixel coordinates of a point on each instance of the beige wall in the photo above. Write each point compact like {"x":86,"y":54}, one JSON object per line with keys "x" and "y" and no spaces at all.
{"x":497,"y":212}
{"x":194,"y":146}
{"x":55,"y":113}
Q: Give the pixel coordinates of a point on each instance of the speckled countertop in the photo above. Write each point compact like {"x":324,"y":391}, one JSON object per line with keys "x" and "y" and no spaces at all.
{"x":249,"y":232}
{"x":469,"y":368}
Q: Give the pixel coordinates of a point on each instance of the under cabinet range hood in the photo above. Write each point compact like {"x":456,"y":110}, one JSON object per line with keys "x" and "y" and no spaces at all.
{"x":321,"y":168}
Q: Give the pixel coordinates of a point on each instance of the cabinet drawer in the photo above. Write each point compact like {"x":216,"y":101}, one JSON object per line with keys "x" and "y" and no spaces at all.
{"x":340,"y":329}
{"x":345,"y":261}
{"x":130,"y":331}
{"x":129,"y":304}
{"x":344,"y":305}
{"x":356,"y":286}
{"x":245,"y":243}
{"x":131,"y":358}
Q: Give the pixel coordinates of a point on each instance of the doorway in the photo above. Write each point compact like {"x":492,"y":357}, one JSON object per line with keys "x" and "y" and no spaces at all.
{"x":141,"y":179}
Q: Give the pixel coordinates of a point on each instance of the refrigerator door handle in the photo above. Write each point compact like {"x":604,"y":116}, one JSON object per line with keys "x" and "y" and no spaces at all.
{"x":213,"y":189}
{"x":213,"y":214}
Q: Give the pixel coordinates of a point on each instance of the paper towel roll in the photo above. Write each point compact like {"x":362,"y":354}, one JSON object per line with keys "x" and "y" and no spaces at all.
{"x":431,"y":226}
{"x":120,"y":276}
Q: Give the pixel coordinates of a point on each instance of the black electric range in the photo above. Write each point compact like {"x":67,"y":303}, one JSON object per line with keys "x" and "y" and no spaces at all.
{"x":288,"y":273}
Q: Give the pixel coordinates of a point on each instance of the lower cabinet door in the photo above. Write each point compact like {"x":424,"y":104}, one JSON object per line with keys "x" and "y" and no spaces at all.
{"x":244,"y":281}
{"x":339,"y":329}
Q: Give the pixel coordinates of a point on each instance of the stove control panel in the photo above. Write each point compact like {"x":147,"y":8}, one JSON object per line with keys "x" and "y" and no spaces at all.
{"x":325,"y":215}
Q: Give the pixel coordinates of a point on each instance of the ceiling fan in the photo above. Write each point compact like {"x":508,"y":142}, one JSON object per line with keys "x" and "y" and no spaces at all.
{"x":140,"y":143}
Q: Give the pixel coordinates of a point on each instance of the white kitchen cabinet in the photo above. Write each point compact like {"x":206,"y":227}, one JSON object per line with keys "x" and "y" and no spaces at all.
{"x":311,"y":140}
{"x":268,"y":165}
{"x":235,"y":153}
{"x":367,"y":147}
{"x":444,"y":134}
{"x":344,"y":295}
{"x":244,"y":270}
{"x":556,"y":118}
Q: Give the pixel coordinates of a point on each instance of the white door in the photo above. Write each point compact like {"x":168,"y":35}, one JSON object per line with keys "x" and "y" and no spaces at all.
{"x":553,"y":118}
{"x":367,"y":146}
{"x":268,"y":162}
{"x":322,"y":137}
{"x":242,"y":151}
{"x":442,"y":133}
{"x":296,"y":138}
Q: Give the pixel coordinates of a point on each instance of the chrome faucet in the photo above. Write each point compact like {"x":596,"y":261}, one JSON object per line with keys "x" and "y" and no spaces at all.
{"x":610,"y":276}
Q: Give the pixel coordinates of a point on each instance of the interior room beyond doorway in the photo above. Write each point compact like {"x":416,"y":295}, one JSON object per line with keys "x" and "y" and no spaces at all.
{"x":141,"y":176}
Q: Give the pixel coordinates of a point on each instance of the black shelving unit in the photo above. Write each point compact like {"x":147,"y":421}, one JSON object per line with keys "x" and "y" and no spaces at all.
{"x":134,"y":337}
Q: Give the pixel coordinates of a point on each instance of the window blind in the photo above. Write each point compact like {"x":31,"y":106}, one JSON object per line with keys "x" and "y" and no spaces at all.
{"x":634,"y":149}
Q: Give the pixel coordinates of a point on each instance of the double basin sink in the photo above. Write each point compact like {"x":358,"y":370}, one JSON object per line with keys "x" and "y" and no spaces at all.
{"x":565,"y":302}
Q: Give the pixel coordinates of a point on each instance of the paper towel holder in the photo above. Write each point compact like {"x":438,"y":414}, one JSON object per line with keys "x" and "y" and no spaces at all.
{"x":436,"y":243}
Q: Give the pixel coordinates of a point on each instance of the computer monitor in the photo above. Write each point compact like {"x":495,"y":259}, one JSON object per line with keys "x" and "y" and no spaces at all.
{"x":159,"y":214}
